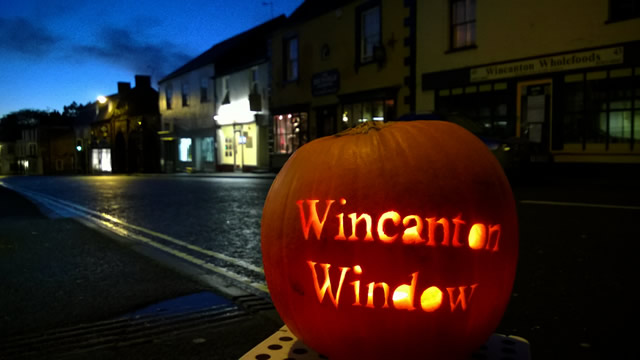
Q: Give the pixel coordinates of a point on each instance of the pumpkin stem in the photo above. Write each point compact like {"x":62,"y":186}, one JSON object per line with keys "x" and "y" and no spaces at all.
{"x":363,"y":128}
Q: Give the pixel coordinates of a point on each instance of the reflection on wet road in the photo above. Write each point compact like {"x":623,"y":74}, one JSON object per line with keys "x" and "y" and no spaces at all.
{"x":216,"y":214}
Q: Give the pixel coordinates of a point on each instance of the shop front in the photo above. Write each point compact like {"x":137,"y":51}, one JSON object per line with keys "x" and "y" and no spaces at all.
{"x":581,"y":106}
{"x":240,"y":137}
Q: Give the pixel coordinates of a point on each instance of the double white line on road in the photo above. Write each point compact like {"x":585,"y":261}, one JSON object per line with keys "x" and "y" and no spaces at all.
{"x":108,"y":222}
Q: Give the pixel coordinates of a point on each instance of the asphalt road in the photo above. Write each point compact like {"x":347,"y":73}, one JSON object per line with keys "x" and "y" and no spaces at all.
{"x":575,"y":285}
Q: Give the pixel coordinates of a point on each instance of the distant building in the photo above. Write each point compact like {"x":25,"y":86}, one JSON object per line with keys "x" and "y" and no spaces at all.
{"x":562,"y":75}
{"x":124,"y":132}
{"x":336,"y":64}
{"x":45,"y":147}
{"x":214,"y":108}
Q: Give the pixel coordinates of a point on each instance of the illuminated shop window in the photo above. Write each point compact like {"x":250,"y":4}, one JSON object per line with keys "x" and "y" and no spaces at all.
{"x":290,"y":132}
{"x":185,"y":149}
{"x":375,"y":110}
{"x":602,"y":110}
{"x":101,"y":160}
{"x":207,"y":149}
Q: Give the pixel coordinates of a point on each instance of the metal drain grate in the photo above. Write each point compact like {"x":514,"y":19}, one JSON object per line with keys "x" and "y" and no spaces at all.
{"x":284,"y":345}
{"x":116,"y":333}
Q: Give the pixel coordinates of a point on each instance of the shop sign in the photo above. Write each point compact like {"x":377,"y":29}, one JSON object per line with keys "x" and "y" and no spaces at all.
{"x":571,"y":61}
{"x":325,"y":83}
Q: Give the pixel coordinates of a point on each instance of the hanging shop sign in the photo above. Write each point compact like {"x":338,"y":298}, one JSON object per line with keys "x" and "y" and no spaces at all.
{"x":325,"y":83}
{"x":570,"y":61}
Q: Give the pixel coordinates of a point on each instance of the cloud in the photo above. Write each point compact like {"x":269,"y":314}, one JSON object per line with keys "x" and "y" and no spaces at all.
{"x":20,"y":35}
{"x":132,"y":50}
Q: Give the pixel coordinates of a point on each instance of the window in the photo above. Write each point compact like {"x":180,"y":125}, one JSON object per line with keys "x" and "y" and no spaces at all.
{"x":623,"y":9}
{"x":225,"y":90}
{"x":185,"y":149}
{"x":601,"y":109}
{"x":291,"y":59}
{"x":185,"y":94}
{"x":374,"y":110}
{"x":370,"y":33}
{"x":290,"y":132}
{"x":463,"y":23}
{"x":168,"y":94}
{"x":204,"y":90}
{"x":207,"y":149}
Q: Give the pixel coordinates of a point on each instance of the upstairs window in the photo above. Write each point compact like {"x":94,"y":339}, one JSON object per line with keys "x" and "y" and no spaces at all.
{"x":623,"y":9}
{"x":185,"y":94}
{"x":291,"y":59}
{"x":370,"y":32}
{"x":168,"y":94}
{"x":463,"y":23}
{"x":204,"y":90}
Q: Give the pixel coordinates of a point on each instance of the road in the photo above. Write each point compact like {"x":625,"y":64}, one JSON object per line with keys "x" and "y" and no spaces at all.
{"x":573,"y":295}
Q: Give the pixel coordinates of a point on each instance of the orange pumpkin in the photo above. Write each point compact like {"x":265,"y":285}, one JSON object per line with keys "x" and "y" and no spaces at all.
{"x":391,"y":241}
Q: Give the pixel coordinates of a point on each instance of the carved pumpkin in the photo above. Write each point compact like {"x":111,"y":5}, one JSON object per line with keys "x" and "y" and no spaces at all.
{"x":391,"y":241}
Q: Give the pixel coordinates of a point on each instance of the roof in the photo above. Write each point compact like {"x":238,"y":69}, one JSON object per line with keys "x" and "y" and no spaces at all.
{"x":310,"y":9}
{"x":242,"y":50}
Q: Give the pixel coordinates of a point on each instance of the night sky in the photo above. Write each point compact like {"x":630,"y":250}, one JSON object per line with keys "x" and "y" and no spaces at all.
{"x":59,"y":51}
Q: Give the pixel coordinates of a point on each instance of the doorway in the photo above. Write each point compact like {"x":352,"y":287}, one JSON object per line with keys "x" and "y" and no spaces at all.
{"x":534,"y":117}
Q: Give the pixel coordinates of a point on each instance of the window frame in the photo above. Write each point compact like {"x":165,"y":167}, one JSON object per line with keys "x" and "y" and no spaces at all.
{"x":184,"y":92}
{"x":360,"y":32}
{"x":288,"y":60}
{"x":204,"y":90}
{"x":168,"y":95}
{"x":454,"y":23}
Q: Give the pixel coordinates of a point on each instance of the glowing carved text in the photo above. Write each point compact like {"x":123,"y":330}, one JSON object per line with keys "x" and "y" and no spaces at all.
{"x":391,"y":227}
{"x":402,"y":297}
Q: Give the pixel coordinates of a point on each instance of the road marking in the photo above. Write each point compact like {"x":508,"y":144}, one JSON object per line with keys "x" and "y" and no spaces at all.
{"x":118,"y":226}
{"x":560,"y":203}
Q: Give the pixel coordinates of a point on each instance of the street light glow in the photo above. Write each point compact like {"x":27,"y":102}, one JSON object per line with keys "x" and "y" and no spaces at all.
{"x":102,"y":99}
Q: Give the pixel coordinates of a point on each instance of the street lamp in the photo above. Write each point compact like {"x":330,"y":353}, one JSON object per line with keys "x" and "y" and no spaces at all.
{"x":102,"y":99}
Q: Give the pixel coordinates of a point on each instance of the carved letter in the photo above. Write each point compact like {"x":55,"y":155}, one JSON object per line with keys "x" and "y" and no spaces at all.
{"x":460,"y":300}
{"x":389,"y":215}
{"x":356,"y":286}
{"x":477,"y":236}
{"x":354,"y":222}
{"x":431,"y":299}
{"x":432,"y":231}
{"x":327,"y":282}
{"x":456,"y":231}
{"x":412,"y":235}
{"x":384,"y":287}
{"x":313,"y":217}
{"x":403,"y":294}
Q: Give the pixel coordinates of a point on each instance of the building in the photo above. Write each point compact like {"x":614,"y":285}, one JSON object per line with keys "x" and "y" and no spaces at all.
{"x":124,"y":132}
{"x":335,"y":64}
{"x":562,"y":76}
{"x":214,"y":108}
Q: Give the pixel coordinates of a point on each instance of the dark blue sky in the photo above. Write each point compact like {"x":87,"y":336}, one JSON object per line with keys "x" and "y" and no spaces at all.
{"x":58,"y":51}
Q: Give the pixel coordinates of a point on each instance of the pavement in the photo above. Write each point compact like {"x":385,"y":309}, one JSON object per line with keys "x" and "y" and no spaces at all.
{"x":71,"y":291}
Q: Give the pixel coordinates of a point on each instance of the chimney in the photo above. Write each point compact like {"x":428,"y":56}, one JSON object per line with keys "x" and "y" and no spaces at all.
{"x":143,"y":81}
{"x":123,"y":87}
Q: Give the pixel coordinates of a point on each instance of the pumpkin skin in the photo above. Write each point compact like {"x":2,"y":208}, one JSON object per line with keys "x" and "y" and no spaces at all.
{"x":431,"y":169}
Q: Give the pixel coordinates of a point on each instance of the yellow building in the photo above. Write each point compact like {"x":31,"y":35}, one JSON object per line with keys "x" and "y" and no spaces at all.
{"x":337,"y":63}
{"x":562,"y":76}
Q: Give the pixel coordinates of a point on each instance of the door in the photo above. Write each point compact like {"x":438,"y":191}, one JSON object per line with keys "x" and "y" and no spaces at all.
{"x":534,"y":122}
{"x":326,"y":120}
